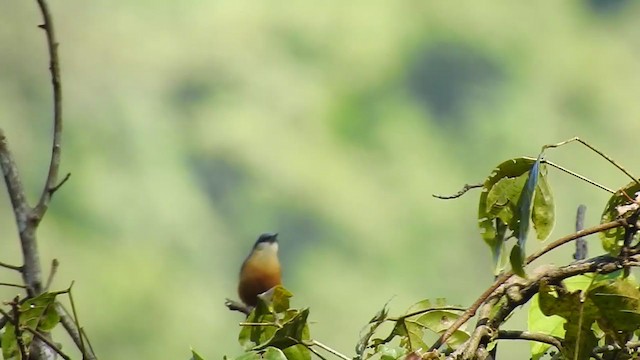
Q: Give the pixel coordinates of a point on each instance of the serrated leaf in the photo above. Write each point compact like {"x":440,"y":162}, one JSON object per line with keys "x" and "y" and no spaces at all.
{"x":612,"y":239}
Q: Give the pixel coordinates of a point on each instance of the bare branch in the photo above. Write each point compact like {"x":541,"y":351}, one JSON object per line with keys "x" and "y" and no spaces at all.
{"x":525,"y":335}
{"x":462,"y":191}
{"x":52,"y":178}
{"x":236,"y":306}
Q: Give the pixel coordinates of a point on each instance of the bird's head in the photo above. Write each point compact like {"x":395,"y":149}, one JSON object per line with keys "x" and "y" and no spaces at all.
{"x":267,"y":241}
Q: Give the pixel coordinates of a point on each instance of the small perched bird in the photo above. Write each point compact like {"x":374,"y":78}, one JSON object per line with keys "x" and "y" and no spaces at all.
{"x":260,"y":271}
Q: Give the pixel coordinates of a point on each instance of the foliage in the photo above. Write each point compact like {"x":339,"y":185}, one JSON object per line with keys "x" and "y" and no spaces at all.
{"x":577,"y":308}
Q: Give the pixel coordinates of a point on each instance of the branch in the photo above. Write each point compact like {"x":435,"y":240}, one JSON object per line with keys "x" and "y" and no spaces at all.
{"x":529,"y":336}
{"x":12,"y":267}
{"x":48,"y":342}
{"x":506,"y":276}
{"x":236,"y":306}
{"x":581,"y":244}
{"x":51,"y":184}
{"x":462,"y":191}
{"x":15,"y":306}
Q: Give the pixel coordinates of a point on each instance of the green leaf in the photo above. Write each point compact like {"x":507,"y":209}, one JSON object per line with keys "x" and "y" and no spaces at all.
{"x":251,"y":336}
{"x":297,"y":352}
{"x":387,"y":352}
{"x":619,"y":305}
{"x":280,"y":299}
{"x":539,"y":323}
{"x":374,"y":323}
{"x":612,"y":239}
{"x":580,"y":314}
{"x":251,"y":355}
{"x":501,"y":203}
{"x":517,"y":261}
{"x":525,"y":203}
{"x":10,"y":349}
{"x":50,"y":319}
{"x":293,"y":331}
{"x":438,"y":320}
{"x":543,"y":216}
{"x":515,"y":193}
{"x":272,"y":353}
{"x":195,"y":355}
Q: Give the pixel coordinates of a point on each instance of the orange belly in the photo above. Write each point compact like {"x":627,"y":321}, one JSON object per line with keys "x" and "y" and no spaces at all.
{"x":256,"y":279}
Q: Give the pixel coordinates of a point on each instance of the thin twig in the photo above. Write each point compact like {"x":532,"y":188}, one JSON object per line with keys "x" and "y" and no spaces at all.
{"x":575,"y":174}
{"x":12,"y":267}
{"x":419,"y":312}
{"x":86,"y":339}
{"x":75,"y":317}
{"x":506,"y":276}
{"x":48,"y":342}
{"x":54,"y":67}
{"x":462,"y":191}
{"x":606,"y":157}
{"x":12,"y":285}
{"x":525,"y":335}
{"x":260,"y":324}
{"x":310,"y":348}
{"x":55,"y":188}
{"x":330,"y":350}
{"x":74,"y":332}
{"x":54,"y":268}
{"x":15,"y":306}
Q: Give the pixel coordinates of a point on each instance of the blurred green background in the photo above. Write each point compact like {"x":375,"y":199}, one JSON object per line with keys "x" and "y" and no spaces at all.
{"x":193,"y":126}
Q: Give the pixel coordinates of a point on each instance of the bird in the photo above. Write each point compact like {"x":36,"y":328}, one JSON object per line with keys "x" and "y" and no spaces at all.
{"x":260,"y":271}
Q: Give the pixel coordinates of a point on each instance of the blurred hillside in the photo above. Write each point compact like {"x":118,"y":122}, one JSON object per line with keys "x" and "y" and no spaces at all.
{"x":191,"y":127}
